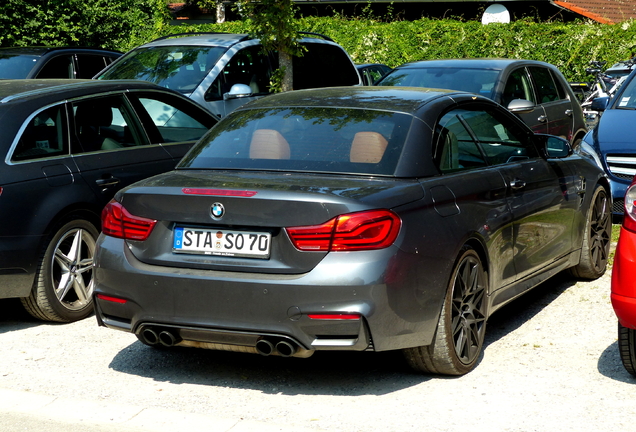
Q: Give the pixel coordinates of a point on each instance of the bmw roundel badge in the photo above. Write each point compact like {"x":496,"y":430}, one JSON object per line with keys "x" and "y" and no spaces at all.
{"x":217,"y":210}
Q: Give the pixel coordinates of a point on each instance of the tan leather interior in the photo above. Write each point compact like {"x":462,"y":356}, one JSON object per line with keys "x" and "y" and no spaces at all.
{"x":367,"y":147}
{"x":268,"y":144}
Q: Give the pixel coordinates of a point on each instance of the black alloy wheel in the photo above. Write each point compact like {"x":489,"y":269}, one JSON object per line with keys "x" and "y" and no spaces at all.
{"x":462,"y":323}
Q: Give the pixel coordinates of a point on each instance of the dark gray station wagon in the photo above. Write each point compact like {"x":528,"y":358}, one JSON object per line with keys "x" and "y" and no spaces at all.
{"x":67,"y":147}
{"x":360,"y":218}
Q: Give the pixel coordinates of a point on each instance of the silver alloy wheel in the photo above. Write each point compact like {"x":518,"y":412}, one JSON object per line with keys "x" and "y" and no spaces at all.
{"x":72,"y":269}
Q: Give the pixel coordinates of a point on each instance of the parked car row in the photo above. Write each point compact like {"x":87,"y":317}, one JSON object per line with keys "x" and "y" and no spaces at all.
{"x":390,"y":217}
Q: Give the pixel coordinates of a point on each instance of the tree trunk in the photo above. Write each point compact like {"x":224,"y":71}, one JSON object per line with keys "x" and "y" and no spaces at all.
{"x":220,"y":12}
{"x":285,"y":60}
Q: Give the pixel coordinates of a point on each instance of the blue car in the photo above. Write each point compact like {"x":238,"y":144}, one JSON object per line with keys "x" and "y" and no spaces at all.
{"x":612,"y":142}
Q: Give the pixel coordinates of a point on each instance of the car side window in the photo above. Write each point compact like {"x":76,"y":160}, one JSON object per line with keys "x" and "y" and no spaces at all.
{"x":518,"y":86}
{"x":545,"y":85}
{"x":103,"y":123}
{"x":469,"y":139}
{"x":58,"y":67}
{"x":173,"y":124}
{"x":248,"y":66}
{"x":44,"y":136}
{"x":89,"y":65}
{"x":456,"y":147}
{"x":322,"y":65}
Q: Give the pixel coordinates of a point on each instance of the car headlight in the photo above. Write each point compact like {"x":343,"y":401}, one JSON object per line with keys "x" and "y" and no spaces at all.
{"x":585,"y":149}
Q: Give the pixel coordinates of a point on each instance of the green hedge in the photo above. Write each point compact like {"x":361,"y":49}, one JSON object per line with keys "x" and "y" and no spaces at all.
{"x":124,"y":24}
{"x":570,"y":46}
{"x":113,"y":24}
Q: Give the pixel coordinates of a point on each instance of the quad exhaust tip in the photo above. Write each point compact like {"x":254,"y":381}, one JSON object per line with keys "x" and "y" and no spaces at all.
{"x":283,"y":348}
{"x":155,"y":336}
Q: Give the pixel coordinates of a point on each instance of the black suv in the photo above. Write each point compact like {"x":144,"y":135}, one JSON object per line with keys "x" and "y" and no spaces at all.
{"x":48,"y":62}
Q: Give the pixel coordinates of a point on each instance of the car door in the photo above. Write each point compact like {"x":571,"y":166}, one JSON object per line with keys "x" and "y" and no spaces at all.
{"x":110,"y":147}
{"x":39,"y":179}
{"x":172,"y":122}
{"x":542,"y":206}
{"x":553,"y":98}
{"x":518,"y":85}
{"x":471,"y":193}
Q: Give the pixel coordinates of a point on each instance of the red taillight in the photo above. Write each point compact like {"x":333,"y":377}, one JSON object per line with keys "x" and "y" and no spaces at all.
{"x":629,"y":220}
{"x":111,"y":299}
{"x":117,"y":222}
{"x":368,"y":230}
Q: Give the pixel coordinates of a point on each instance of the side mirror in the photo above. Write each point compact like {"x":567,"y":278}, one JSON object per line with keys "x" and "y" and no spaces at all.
{"x":555,"y":147}
{"x":521,"y":106}
{"x":238,"y":91}
{"x":600,"y":103}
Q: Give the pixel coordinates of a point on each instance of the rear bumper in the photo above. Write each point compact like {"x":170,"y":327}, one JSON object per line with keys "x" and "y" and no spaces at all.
{"x":239,"y":309}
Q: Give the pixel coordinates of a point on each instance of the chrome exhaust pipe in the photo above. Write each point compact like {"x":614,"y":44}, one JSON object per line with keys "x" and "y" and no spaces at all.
{"x":168,"y":339}
{"x":285,"y":349}
{"x":264,"y":347}
{"x":149,"y":336}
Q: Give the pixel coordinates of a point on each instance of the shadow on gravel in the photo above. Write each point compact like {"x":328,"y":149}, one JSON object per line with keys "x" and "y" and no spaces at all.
{"x":14,"y":317}
{"x":325,"y":373}
{"x":610,"y":365}
{"x":509,"y":318}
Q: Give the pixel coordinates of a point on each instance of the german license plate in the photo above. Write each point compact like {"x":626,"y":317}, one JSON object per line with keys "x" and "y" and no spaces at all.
{"x":222,"y":242}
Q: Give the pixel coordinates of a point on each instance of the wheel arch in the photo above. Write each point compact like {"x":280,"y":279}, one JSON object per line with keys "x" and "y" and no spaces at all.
{"x":85,"y":211}
{"x":478,"y":244}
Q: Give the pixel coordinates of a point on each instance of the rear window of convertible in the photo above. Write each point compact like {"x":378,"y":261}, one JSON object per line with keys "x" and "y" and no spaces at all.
{"x":317,"y":139}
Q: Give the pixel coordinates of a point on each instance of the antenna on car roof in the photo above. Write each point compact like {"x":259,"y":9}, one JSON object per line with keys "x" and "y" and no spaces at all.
{"x":199,"y":33}
{"x":316,"y":34}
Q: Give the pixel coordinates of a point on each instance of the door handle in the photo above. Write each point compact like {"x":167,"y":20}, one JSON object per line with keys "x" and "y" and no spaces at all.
{"x":568,"y":112}
{"x":107,"y":182}
{"x":542,"y":119}
{"x":517,"y":184}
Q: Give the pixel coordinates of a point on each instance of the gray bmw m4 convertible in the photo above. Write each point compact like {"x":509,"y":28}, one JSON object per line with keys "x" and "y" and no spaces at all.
{"x":353,"y":218}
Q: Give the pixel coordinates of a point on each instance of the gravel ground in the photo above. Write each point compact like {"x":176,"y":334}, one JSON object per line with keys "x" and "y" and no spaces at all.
{"x":550,"y":363}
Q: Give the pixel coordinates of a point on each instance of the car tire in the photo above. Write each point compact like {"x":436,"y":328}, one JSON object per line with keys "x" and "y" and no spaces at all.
{"x":63,"y":287}
{"x":627,"y":348}
{"x":461,"y":327}
{"x":595,"y":248}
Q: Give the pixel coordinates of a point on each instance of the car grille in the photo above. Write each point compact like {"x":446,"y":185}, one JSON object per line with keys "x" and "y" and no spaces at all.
{"x":622,"y":166}
{"x":618,"y":206}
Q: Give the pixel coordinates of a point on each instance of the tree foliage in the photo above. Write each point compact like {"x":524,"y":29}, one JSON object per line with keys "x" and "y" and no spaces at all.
{"x":114,"y":24}
{"x":273,"y":22}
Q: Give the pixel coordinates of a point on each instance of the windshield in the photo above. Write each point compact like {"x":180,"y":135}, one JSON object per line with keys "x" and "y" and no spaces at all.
{"x":627,"y":99}
{"x":16,"y":66}
{"x":481,"y":81}
{"x":327,"y":140}
{"x":180,"y":68}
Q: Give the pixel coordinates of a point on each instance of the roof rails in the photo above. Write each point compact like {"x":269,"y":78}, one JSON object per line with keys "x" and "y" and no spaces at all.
{"x":316,"y":35}
{"x":244,"y":37}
